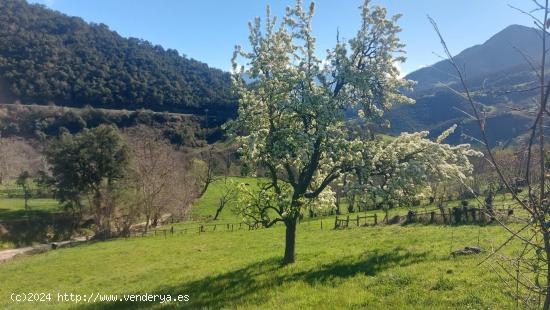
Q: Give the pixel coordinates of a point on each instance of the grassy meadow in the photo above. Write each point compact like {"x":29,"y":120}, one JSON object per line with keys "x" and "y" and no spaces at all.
{"x":12,"y":205}
{"x":381,"y":267}
{"x":405,"y":267}
{"x":205,"y":208}
{"x":26,"y":226}
{"x":14,"y":208}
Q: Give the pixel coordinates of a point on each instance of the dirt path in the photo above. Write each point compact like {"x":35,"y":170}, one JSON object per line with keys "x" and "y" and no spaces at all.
{"x":7,"y":255}
{"x":36,"y":249}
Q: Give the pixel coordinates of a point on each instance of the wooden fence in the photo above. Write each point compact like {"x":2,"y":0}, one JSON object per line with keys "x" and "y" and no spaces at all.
{"x":344,"y":222}
{"x":201,"y":228}
{"x":456,"y":215}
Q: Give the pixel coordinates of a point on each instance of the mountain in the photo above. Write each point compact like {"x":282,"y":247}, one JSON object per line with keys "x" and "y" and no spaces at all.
{"x":501,"y":52}
{"x":498,"y":75}
{"x":47,"y":57}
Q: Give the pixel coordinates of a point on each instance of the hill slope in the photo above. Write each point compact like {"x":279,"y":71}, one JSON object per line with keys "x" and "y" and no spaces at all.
{"x":49,"y":57}
{"x":366,"y":268}
{"x":501,"y":52}
{"x":495,"y":71}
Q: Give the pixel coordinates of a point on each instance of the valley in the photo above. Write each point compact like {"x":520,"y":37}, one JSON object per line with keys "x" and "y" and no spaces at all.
{"x":312,"y":172}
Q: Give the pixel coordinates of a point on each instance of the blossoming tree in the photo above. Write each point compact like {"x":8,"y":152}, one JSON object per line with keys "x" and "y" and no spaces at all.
{"x":292,"y":110}
{"x":400,"y":170}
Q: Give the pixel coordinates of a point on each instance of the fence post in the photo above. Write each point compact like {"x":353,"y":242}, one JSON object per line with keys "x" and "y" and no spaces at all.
{"x":432,"y":216}
{"x":375,"y":219}
{"x":336,"y":222}
{"x":347,"y":222}
{"x":410,"y":215}
{"x":172,"y":230}
{"x":214,"y":227}
{"x":321,"y":224}
{"x":164,"y":233}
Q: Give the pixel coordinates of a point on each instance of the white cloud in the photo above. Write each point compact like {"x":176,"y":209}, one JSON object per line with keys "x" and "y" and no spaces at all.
{"x":398,"y":66}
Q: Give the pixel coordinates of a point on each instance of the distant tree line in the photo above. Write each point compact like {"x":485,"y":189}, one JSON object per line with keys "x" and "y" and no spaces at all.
{"x":48,"y":57}
{"x":38,"y":123}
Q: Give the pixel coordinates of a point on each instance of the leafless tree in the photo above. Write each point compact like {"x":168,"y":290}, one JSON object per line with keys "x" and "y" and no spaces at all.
{"x":229,"y":190}
{"x":17,"y":155}
{"x":527,"y":274}
{"x":203,"y":169}
{"x":228,"y":195}
{"x":156,"y":174}
{"x":128,"y":210}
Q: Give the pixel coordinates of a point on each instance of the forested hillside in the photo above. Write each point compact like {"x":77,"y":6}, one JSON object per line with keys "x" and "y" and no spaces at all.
{"x":50,"y":58}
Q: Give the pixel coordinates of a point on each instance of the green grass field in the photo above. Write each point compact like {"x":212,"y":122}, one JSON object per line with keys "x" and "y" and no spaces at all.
{"x":384,"y":267}
{"x":12,"y":205}
{"x":205,"y":208}
{"x":17,"y":220}
{"x":14,"y":208}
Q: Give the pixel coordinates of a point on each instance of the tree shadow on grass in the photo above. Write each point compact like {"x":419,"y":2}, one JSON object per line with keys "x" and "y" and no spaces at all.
{"x":23,"y":228}
{"x":245,"y":285}
{"x":369,"y":263}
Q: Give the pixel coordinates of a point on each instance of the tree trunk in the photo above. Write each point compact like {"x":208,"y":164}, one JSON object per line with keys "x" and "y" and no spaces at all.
{"x":351,"y":203}
{"x":219,"y":210}
{"x":74,"y":225}
{"x":96,"y":201}
{"x":203,"y":190}
{"x":547,"y":250}
{"x":147,"y":219}
{"x":205,"y":187}
{"x":26,"y":196}
{"x":290,"y":240}
{"x":338,"y":194}
{"x":442,"y":210}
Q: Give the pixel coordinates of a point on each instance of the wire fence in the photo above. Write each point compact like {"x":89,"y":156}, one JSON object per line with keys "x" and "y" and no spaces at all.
{"x":450,"y":216}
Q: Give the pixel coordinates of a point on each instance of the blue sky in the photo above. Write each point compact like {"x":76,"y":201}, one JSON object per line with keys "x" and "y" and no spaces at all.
{"x":207,"y":30}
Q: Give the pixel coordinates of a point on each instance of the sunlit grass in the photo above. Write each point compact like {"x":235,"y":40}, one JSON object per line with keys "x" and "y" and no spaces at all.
{"x":390,"y":267}
{"x":14,"y":208}
{"x":382,"y":267}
